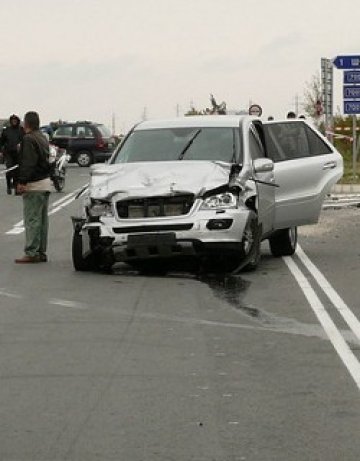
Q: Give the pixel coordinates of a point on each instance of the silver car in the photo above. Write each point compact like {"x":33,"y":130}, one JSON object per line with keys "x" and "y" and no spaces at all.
{"x":209,"y":188}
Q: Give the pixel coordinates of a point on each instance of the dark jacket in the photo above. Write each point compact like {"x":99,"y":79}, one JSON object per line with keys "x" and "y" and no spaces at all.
{"x":10,"y":138}
{"x":34,"y":158}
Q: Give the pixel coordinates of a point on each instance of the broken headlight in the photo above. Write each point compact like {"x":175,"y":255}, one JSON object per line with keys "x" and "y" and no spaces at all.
{"x":98,"y":208}
{"x":225,"y":200}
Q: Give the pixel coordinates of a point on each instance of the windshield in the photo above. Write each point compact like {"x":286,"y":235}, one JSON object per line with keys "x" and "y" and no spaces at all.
{"x":172,"y":144}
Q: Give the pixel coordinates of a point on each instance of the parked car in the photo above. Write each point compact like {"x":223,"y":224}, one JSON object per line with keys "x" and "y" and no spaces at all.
{"x":86,"y":142}
{"x":209,"y":187}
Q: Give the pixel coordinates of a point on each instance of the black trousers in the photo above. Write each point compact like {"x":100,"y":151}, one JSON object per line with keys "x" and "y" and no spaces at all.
{"x":11,"y":176}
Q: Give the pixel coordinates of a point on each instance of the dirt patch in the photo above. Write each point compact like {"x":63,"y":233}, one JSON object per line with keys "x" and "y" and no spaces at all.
{"x":332,"y":222}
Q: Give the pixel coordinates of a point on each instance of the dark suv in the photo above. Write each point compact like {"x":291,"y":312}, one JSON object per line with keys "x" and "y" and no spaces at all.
{"x":86,"y":142}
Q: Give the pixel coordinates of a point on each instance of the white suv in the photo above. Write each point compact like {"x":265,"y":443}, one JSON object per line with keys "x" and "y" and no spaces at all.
{"x":206,"y":187}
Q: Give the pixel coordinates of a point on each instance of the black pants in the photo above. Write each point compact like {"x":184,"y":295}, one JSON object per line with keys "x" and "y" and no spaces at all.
{"x":11,"y":176}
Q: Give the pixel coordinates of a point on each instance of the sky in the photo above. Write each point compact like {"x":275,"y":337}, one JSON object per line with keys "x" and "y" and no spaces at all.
{"x":89,"y":59}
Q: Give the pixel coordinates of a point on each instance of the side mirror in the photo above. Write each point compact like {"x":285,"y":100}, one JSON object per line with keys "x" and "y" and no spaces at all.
{"x":263,"y":165}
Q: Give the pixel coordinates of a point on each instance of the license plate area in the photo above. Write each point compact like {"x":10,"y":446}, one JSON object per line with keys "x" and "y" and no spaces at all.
{"x":152,"y":240}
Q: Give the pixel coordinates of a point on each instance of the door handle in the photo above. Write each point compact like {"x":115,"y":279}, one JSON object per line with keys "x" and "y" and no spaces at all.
{"x":329,"y":165}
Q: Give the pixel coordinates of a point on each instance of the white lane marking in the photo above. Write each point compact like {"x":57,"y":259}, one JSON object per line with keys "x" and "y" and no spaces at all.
{"x":339,"y":343}
{"x":7,"y":294}
{"x":3,"y":172}
{"x":341,"y":205}
{"x":67,"y":303}
{"x":18,"y":228}
{"x":61,"y":200}
{"x":63,"y":205}
{"x":56,"y":206}
{"x":331,"y":293}
{"x":343,"y":199}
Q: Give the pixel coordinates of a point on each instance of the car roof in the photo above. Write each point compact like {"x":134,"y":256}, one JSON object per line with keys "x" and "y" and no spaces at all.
{"x":194,"y":122}
{"x":80,"y":123}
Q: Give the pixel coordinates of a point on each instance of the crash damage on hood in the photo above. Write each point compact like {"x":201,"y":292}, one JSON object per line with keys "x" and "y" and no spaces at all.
{"x":140,"y":180}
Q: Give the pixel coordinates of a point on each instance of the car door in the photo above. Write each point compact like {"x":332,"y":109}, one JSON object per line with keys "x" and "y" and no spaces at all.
{"x":62,"y":136}
{"x":265,"y":192}
{"x":84,"y":138}
{"x":306,"y":167}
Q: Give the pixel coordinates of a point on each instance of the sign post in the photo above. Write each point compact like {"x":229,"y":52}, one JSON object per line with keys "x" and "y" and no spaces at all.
{"x":354,"y":150}
{"x":351,"y":95}
{"x":327,"y":88}
{"x":255,"y":110}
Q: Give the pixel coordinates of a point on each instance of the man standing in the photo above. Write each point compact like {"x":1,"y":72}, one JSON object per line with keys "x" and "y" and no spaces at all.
{"x":34,"y":185}
{"x":10,"y":141}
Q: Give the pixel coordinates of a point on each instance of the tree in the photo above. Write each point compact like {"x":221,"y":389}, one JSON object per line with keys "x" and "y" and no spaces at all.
{"x":313,"y":99}
{"x":216,"y":109}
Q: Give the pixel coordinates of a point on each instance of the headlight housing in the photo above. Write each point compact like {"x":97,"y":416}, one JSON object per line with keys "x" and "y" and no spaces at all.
{"x":220,"y":201}
{"x":98,"y":208}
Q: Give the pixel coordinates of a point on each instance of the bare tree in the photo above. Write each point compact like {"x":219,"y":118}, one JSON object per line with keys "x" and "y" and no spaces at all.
{"x":313,"y":98}
{"x":216,"y":109}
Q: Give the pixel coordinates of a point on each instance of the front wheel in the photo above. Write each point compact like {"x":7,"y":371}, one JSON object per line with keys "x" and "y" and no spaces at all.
{"x":59,"y":183}
{"x":84,"y":158}
{"x":252,"y":241}
{"x":283,"y":242}
{"x":80,"y":263}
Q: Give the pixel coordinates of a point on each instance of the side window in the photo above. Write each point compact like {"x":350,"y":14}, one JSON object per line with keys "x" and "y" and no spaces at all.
{"x":287,"y":141}
{"x":316,"y":144}
{"x":256,"y":148}
{"x":83,"y":131}
{"x":63,"y":131}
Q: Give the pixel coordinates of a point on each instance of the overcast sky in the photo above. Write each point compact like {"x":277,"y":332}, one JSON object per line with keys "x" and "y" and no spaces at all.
{"x":87,"y":59}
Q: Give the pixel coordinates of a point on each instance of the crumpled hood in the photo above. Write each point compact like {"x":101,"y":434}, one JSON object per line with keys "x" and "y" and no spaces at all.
{"x":135,"y":180}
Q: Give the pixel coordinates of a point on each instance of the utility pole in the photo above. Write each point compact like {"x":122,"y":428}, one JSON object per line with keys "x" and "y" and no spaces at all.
{"x":113,"y":123}
{"x":297,"y":105}
{"x":177,"y":110}
{"x":144,"y":114}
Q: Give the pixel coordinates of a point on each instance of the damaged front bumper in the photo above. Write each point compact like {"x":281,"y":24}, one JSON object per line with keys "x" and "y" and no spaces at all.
{"x":205,"y":232}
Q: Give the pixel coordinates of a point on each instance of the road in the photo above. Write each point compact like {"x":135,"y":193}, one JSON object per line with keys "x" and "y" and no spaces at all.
{"x":261,"y":366}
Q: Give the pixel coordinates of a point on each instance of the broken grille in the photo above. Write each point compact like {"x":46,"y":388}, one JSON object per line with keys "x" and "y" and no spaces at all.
{"x":154,"y":207}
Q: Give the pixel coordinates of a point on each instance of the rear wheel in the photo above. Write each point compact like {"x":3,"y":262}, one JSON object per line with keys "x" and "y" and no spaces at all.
{"x":84,"y":158}
{"x":80,"y":263}
{"x":283,"y":242}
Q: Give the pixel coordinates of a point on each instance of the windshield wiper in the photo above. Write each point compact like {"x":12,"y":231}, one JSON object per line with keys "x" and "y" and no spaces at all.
{"x":187,"y":147}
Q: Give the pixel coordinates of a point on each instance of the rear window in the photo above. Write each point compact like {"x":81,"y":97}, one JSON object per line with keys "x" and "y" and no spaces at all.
{"x":63,"y":131}
{"x":104,"y":130}
{"x":290,"y":141}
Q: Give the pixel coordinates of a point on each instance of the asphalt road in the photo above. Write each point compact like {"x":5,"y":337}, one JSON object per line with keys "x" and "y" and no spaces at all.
{"x":185,"y":368}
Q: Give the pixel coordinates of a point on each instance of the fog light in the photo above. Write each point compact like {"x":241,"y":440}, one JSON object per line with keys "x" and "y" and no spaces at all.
{"x":219,"y":224}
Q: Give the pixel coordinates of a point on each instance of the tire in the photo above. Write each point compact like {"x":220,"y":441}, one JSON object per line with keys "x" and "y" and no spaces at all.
{"x":255,"y":249}
{"x":84,"y":158}
{"x":283,"y":242}
{"x":79,"y":262}
{"x":239,"y":260}
{"x":59,"y":184}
